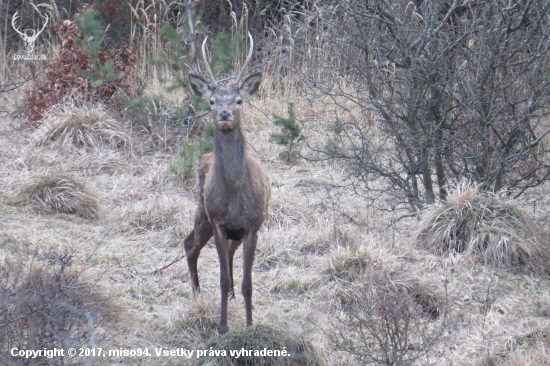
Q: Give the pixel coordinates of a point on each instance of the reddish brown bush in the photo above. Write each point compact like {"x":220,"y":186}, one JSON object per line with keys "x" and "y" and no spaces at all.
{"x":64,"y":78}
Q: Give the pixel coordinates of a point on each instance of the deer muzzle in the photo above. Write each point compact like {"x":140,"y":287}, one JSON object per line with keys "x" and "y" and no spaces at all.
{"x":225,"y":120}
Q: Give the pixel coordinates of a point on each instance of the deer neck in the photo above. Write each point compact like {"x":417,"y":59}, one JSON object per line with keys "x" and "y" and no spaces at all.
{"x":229,"y":150}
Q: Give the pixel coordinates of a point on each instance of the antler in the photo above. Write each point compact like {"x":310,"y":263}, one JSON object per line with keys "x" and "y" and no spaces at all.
{"x":243,"y":69}
{"x":15,"y":16}
{"x":209,"y":72}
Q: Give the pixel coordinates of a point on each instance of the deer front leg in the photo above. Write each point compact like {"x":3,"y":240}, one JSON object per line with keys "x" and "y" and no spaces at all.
{"x":233,"y":245}
{"x":225,"y":277}
{"x":249,"y":251}
{"x":193,"y":244}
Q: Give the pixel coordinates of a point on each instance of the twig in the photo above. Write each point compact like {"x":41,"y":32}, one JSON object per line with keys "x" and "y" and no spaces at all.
{"x":178,"y":258}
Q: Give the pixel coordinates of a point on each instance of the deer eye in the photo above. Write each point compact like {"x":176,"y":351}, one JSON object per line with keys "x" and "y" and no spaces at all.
{"x":239,"y":101}
{"x":211,"y":101}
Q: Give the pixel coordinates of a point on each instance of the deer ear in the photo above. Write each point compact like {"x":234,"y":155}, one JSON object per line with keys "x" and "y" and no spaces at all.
{"x":250,"y":85}
{"x":200,"y":86}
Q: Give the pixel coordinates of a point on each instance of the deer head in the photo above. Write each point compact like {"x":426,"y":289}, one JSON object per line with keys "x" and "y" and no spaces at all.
{"x":226,"y":102}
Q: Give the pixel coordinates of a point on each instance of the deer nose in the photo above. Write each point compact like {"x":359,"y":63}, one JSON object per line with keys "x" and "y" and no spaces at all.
{"x":224,"y":115}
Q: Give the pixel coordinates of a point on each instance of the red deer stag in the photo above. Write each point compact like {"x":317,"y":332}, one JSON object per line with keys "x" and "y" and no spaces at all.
{"x":234,"y":187}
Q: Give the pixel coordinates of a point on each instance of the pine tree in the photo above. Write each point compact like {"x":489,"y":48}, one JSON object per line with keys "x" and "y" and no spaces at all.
{"x":290,"y":135}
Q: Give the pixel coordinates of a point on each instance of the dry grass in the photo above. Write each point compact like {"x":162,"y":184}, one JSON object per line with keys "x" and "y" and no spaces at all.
{"x":347,"y":264}
{"x":321,"y":249}
{"x":489,"y":229}
{"x":311,"y":259}
{"x":59,"y":194}
{"x":199,"y":322}
{"x":159,"y":215}
{"x":537,"y":355}
{"x":532,"y":348}
{"x":67,"y":125}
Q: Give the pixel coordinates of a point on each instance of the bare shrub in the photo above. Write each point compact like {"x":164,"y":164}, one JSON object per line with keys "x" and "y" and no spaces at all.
{"x":59,"y":194}
{"x":361,"y":275}
{"x":492,"y":230}
{"x":385,"y":321}
{"x":83,"y":127}
{"x":47,"y":303}
{"x":257,"y":338}
{"x":351,"y":268}
{"x":424,"y":94}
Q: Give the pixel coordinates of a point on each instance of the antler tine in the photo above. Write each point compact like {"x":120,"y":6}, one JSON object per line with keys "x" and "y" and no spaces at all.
{"x":15,"y":16}
{"x":241,"y":74}
{"x":207,"y":66}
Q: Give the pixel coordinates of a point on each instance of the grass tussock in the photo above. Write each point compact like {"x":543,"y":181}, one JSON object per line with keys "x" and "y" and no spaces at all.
{"x":489,"y":229}
{"x":347,"y":264}
{"x":297,"y":352}
{"x":82,"y":127}
{"x":59,"y":194}
{"x":201,"y":318}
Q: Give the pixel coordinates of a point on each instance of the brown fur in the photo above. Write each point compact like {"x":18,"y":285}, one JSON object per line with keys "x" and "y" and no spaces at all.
{"x":234,"y":194}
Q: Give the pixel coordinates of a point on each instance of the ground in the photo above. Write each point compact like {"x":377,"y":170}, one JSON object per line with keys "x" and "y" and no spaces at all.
{"x":314,"y":232}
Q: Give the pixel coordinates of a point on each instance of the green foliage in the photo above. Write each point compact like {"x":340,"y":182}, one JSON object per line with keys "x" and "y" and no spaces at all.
{"x":140,"y":109}
{"x":186,"y":160}
{"x":198,"y":103}
{"x":333,"y":144}
{"x":224,"y":51}
{"x":177,"y":50}
{"x":337,"y":127}
{"x":291,"y":133}
{"x":93,"y":33}
{"x":209,"y":131}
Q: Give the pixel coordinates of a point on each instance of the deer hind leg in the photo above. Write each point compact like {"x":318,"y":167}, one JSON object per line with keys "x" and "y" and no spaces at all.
{"x":193,"y":243}
{"x":249,"y":250}
{"x":225,"y":276}
{"x":233,"y":245}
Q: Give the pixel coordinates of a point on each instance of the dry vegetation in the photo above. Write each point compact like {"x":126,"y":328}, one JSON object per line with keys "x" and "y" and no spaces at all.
{"x":493,"y":230}
{"x":90,"y":210}
{"x":313,"y":263}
